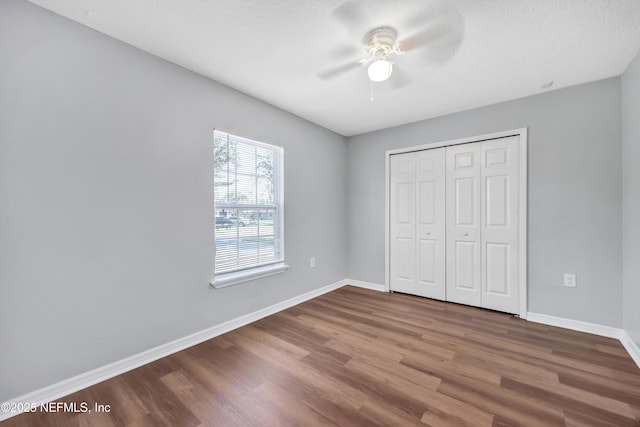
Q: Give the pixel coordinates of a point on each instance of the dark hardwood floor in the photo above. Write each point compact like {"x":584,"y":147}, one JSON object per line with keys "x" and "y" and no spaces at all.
{"x":355,"y":357}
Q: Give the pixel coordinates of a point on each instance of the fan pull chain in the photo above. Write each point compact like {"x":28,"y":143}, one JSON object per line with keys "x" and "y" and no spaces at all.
{"x":371,"y":89}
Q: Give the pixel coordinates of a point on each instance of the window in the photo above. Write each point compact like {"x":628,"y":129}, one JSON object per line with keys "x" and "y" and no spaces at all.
{"x":249,"y":241}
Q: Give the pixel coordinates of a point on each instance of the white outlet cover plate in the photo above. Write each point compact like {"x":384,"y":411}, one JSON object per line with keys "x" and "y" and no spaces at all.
{"x":570,"y":280}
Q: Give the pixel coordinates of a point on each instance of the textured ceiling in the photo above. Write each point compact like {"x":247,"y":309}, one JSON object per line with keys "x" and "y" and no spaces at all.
{"x":480,"y":52}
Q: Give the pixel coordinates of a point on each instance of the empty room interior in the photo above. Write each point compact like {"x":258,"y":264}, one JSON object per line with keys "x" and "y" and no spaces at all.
{"x":346,"y":212}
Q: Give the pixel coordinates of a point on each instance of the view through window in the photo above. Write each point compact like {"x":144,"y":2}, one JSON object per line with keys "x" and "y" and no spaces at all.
{"x":248,"y":203}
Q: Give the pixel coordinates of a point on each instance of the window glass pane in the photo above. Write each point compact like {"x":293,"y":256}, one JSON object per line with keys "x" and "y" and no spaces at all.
{"x":248,"y":232}
{"x":246,"y":189}
{"x":247,"y":223}
{"x":265,"y":191}
{"x":222,"y":160}
{"x":266,"y":222}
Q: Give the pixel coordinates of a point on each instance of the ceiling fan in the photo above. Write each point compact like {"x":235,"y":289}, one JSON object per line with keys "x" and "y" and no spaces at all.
{"x":441,"y":31}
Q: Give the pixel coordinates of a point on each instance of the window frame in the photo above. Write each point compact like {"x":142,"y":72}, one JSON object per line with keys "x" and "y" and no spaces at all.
{"x":256,"y":271}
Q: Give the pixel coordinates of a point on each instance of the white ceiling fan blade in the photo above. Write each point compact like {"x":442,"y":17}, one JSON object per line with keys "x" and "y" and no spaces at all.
{"x":433,"y":34}
{"x":443,"y":29}
{"x":399,"y":78}
{"x":344,"y":53}
{"x":353,"y":16}
{"x":334,"y":72}
{"x":442,"y":52}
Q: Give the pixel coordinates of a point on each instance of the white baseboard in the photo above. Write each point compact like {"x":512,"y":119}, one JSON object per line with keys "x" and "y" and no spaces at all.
{"x":631,"y":347}
{"x":79,"y":382}
{"x":592,"y":328}
{"x":365,"y":285}
{"x":576,"y":325}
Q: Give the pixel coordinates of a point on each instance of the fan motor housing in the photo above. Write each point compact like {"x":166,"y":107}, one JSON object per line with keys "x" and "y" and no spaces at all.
{"x":380,"y":41}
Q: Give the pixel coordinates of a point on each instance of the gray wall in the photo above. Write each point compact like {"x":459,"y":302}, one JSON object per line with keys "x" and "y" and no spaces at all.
{"x":631,"y":199}
{"x":574,"y":194}
{"x":106,"y":200}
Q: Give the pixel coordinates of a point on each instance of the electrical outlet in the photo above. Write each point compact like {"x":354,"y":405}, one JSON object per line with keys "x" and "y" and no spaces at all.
{"x":312,"y":262}
{"x":570,"y":280}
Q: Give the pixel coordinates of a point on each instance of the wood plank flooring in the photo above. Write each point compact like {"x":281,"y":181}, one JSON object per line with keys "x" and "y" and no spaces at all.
{"x":356,"y":357}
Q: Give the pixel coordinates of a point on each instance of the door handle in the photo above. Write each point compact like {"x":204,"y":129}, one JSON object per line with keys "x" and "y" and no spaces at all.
{"x":465,"y":234}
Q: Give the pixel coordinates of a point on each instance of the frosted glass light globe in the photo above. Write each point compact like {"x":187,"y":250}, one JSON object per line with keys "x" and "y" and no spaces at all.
{"x":380,"y":70}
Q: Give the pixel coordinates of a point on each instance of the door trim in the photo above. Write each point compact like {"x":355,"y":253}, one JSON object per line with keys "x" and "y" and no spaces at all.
{"x":522,"y":134}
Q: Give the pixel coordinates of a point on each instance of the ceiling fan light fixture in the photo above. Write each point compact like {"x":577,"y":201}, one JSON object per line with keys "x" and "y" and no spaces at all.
{"x":380,"y":70}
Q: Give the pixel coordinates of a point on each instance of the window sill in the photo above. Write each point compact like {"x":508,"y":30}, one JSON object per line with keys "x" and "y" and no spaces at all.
{"x":228,"y":279}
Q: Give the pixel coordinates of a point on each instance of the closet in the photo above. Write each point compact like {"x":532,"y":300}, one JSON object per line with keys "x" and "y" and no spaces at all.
{"x":455,"y":229}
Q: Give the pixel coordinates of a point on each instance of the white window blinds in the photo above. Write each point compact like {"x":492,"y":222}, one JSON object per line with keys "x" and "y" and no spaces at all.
{"x":248,"y":203}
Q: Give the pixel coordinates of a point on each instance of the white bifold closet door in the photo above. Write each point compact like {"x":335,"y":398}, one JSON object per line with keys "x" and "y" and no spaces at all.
{"x":463,"y":224}
{"x":454,"y":223}
{"x":418,"y":223}
{"x":402,"y":223}
{"x":500,"y":220}
{"x":482,"y":224}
